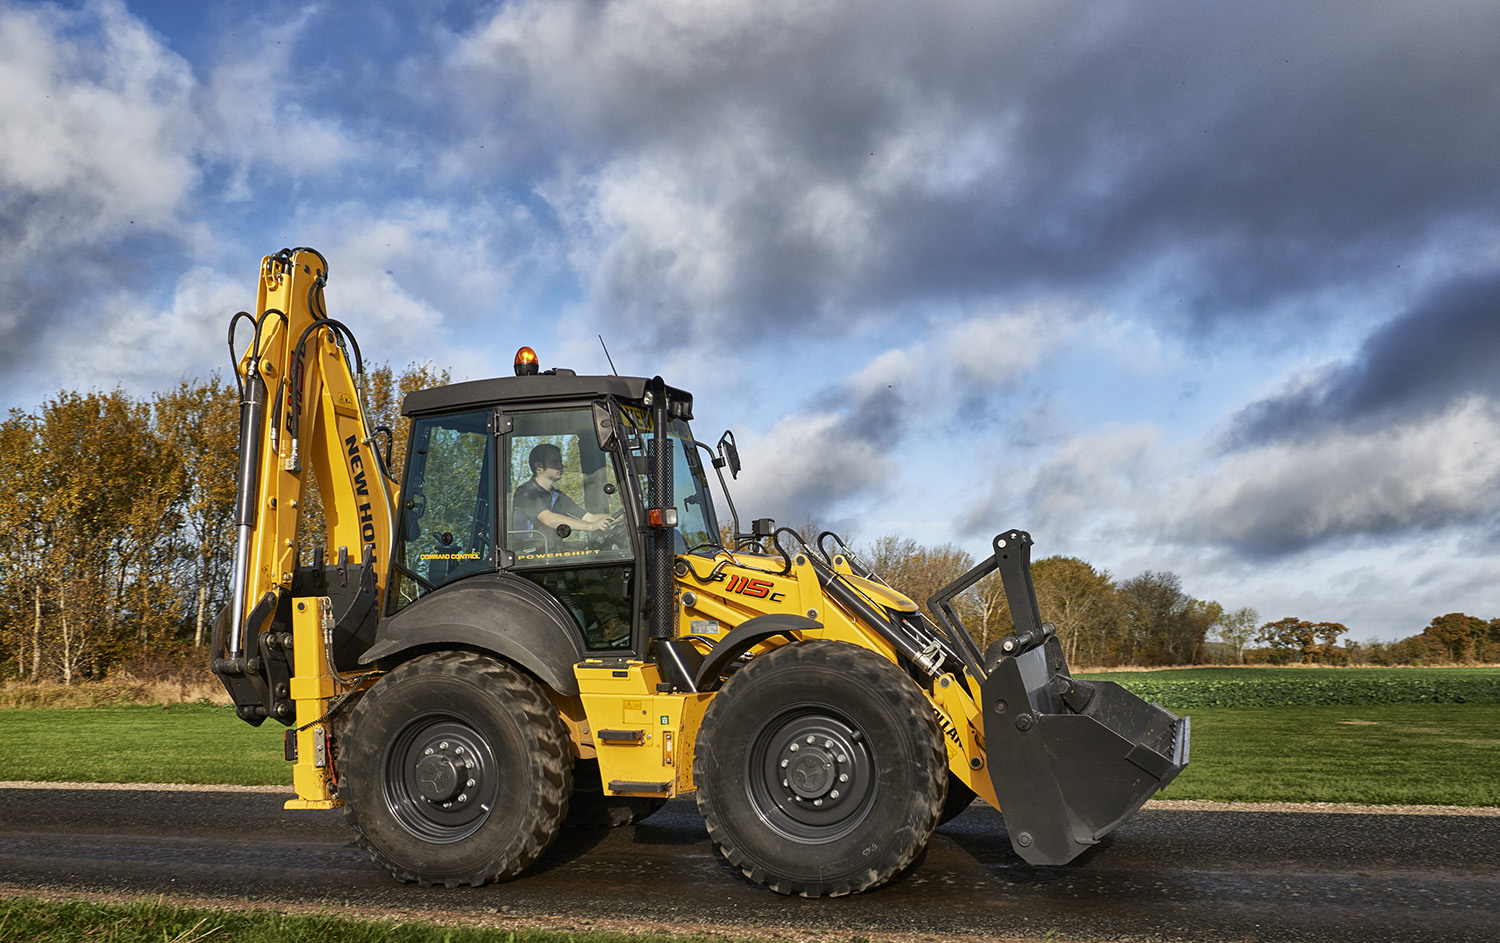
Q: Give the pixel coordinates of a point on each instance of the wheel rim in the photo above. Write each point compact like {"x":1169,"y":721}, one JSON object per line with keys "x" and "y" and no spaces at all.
{"x":810,"y":774}
{"x":440,"y":778}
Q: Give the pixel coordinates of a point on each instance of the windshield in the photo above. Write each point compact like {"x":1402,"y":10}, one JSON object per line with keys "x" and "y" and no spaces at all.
{"x":697,"y":526}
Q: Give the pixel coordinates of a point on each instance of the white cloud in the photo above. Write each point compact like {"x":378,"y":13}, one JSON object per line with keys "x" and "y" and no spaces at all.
{"x":257,"y":115}
{"x":146,"y":348}
{"x":806,"y":464}
{"x":994,"y":350}
{"x":94,"y":135}
{"x":1431,"y":473}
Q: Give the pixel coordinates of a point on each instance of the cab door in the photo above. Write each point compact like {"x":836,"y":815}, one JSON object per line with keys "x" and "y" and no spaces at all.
{"x":566,"y":525}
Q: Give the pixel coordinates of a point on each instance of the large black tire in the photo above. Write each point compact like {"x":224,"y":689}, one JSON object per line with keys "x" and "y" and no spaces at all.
{"x":820,"y":769}
{"x":591,"y":808}
{"x":455,"y":770}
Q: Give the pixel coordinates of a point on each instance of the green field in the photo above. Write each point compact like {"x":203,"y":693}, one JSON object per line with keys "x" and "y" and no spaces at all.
{"x":1398,"y":754}
{"x":1306,"y":735}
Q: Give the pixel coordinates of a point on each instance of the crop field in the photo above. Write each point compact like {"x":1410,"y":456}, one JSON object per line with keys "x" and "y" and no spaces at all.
{"x":1189,"y":688}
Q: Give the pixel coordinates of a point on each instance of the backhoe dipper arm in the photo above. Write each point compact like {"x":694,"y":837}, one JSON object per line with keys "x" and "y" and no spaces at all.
{"x":300,"y":408}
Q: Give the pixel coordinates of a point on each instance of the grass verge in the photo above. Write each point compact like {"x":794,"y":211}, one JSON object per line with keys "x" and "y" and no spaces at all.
{"x":35,"y":921}
{"x":178,"y":743}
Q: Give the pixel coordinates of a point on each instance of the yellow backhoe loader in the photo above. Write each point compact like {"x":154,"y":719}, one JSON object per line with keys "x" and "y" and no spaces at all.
{"x":544,"y":625}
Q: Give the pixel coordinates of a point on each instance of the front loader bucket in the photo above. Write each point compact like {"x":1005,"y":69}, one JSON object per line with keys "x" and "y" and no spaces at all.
{"x":1071,"y":760}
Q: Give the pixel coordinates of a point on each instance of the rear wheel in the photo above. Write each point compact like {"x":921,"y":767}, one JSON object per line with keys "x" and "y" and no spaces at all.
{"x":820,"y":769}
{"x":455,"y":770}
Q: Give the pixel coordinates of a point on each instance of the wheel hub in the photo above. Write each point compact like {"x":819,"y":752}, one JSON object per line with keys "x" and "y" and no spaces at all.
{"x":437,"y":778}
{"x":814,"y":777}
{"x":809,"y":774}
{"x":440,"y":783}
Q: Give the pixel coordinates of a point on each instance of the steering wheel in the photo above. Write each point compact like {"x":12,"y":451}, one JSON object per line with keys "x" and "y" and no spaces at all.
{"x":610,"y":536}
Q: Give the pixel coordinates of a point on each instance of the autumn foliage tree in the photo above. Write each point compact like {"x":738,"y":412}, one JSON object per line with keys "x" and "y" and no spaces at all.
{"x":1297,"y":641}
{"x":1455,"y":636}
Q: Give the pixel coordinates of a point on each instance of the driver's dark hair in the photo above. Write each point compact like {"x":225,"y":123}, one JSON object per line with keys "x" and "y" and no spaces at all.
{"x":542,"y":453}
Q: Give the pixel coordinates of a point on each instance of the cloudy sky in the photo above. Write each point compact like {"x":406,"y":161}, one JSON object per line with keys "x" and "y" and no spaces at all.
{"x":1206,"y":287}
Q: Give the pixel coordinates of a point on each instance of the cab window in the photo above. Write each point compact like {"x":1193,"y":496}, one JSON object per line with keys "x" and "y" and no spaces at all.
{"x":446,"y":528}
{"x":565,"y":524}
{"x":564,"y":505}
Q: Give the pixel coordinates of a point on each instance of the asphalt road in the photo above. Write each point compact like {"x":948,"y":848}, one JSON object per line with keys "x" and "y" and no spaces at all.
{"x":1166,"y":875}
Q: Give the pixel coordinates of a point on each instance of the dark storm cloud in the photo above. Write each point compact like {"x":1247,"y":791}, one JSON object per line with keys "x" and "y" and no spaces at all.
{"x":1223,"y":157}
{"x":1443,"y":349}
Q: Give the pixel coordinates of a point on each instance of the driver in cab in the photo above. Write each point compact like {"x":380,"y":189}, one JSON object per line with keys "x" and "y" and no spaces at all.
{"x":539,"y":505}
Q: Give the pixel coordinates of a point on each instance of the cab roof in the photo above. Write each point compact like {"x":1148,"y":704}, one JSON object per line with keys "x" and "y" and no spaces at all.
{"x":554,"y":386}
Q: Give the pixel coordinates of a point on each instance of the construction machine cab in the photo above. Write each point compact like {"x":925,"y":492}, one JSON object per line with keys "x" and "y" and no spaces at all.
{"x":545,"y":477}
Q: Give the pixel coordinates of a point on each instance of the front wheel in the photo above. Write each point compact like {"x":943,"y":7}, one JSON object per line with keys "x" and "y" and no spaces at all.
{"x":820,"y":769}
{"x":455,"y":770}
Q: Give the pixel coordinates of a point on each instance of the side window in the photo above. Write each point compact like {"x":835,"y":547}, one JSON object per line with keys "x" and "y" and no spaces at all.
{"x":563,"y":500}
{"x":446,"y":528}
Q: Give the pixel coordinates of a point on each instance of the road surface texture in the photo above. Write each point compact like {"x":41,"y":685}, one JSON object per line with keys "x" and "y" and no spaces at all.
{"x":1169,"y":874}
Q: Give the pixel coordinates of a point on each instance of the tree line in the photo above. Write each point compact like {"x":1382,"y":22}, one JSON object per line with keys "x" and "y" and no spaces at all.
{"x":116,"y":538}
{"x":117,"y":522}
{"x":1149,"y":620}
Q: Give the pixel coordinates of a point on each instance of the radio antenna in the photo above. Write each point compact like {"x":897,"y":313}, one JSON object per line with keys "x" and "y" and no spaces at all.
{"x":612,"y":370}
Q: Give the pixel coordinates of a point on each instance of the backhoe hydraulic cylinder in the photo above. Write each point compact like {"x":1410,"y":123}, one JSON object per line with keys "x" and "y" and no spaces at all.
{"x":246,"y":504}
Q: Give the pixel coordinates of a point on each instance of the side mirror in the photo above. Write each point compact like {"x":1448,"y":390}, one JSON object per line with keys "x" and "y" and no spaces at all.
{"x":730,"y":453}
{"x":604,"y":428}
